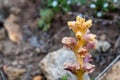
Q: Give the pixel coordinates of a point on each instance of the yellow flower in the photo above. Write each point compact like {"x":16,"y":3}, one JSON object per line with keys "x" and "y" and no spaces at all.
{"x":80,"y":25}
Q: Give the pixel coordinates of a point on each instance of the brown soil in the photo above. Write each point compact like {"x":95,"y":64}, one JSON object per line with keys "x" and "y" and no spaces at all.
{"x":113,"y":73}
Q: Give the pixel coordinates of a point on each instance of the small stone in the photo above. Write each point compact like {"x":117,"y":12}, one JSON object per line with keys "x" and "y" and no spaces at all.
{"x":38,"y":50}
{"x":14,"y":63}
{"x":21,"y":62}
{"x":103,"y":37}
{"x":13,"y":29}
{"x":37,"y":77}
{"x":103,"y":45}
{"x":14,"y":73}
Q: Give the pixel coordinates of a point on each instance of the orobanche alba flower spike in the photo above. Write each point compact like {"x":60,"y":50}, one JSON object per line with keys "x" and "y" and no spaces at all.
{"x":81,"y":44}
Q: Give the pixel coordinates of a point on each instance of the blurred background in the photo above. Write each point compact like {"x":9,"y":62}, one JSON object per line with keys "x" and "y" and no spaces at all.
{"x":29,"y":29}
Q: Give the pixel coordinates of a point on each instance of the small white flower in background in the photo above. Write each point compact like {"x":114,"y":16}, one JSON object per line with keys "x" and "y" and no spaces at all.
{"x":105,"y":5}
{"x":54,"y":3}
{"x":99,"y":14}
{"x":115,"y":1}
{"x":94,"y":0}
{"x":78,"y":4}
{"x":69,"y":2}
{"x":92,"y":6}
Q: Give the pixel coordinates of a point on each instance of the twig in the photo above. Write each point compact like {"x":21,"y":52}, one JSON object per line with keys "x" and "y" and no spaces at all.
{"x":106,"y":69}
{"x":3,"y":74}
{"x":117,"y":42}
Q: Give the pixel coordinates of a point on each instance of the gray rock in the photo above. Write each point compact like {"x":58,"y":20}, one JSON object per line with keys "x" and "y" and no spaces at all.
{"x":52,"y":65}
{"x":103,"y":45}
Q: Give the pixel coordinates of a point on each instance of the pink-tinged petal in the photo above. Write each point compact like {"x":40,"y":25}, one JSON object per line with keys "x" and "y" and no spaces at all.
{"x":73,"y":40}
{"x":89,"y":37}
{"x":69,"y":40}
{"x":89,"y":67}
{"x":83,"y":52}
{"x":71,"y":67}
{"x":91,"y":44}
{"x":87,"y":58}
{"x":87,"y":32}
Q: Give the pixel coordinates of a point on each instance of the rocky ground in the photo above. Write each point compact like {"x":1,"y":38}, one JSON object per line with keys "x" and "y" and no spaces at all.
{"x":23,"y":45}
{"x":113,"y":71}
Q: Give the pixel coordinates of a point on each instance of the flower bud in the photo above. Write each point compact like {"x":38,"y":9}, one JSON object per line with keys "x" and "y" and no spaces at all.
{"x":78,"y":35}
{"x":89,"y":37}
{"x":71,"y":67}
{"x":91,"y":44}
{"x":69,"y":41}
{"x":88,"y":67}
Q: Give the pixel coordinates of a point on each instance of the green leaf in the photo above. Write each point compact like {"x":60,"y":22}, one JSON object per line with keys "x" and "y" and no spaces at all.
{"x":56,"y":9}
{"x":49,"y":3}
{"x":46,"y":15}
{"x":66,"y":9}
{"x":46,"y":27}
{"x":40,"y":23}
{"x":82,"y":1}
{"x":64,"y":77}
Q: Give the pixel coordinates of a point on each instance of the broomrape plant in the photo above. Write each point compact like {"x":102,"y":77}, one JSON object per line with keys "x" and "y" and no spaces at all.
{"x":81,"y":44}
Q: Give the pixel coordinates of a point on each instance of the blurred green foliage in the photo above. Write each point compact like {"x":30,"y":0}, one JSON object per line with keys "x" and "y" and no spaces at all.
{"x":52,"y":7}
{"x":45,"y":20}
{"x":63,"y":5}
{"x":64,"y":77}
{"x":103,"y":6}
